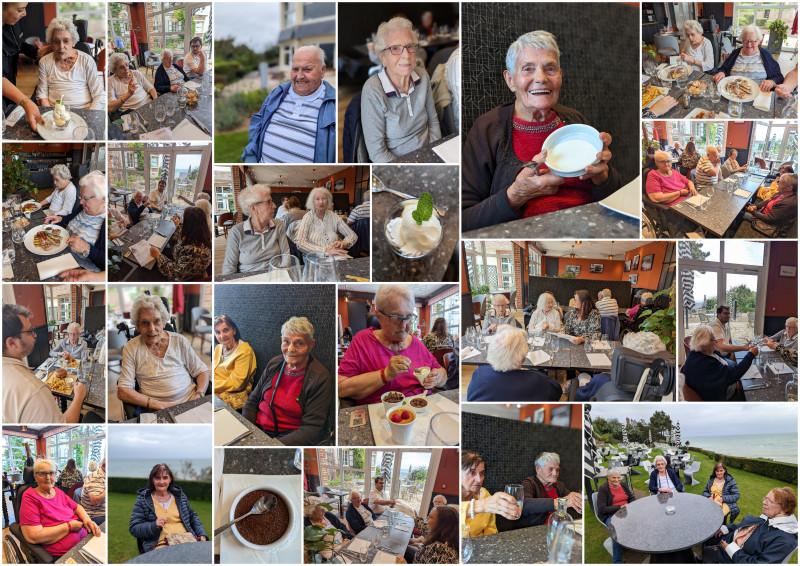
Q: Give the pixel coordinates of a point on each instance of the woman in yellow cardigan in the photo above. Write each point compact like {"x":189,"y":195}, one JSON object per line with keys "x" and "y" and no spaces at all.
{"x":234,"y":363}
{"x":478,"y":508}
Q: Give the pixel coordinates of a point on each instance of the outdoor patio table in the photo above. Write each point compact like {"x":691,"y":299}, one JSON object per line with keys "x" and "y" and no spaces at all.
{"x":396,"y":541}
{"x":348,"y":270}
{"x":772,"y":386}
{"x":569,"y":356}
{"x":95,"y":121}
{"x":424,"y":154}
{"x":257,"y":437}
{"x":341,"y":494}
{"x":644,"y":525}
{"x":189,"y":553}
{"x":519,"y":546}
{"x":74,"y":555}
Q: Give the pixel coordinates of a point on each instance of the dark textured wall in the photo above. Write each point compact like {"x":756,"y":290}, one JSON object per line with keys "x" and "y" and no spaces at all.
{"x":260,"y":310}
{"x":564,"y":289}
{"x":600,"y":52}
{"x":509,"y":449}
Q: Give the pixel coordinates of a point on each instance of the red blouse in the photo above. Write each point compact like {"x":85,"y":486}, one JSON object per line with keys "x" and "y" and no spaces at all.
{"x":286,"y":403}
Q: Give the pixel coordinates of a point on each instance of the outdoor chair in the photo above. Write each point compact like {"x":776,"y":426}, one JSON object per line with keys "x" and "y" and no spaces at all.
{"x":648,"y":466}
{"x":606,"y":543}
{"x":323,"y":491}
{"x":688,"y":474}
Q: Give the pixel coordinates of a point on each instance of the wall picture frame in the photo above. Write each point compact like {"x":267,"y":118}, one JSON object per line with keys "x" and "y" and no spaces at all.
{"x":633,"y":278}
{"x":560,"y":416}
{"x":595,"y":268}
{"x":538,"y":416}
{"x":635,"y":264}
{"x":627,"y":266}
{"x":647,"y":262}
{"x":573,"y":269}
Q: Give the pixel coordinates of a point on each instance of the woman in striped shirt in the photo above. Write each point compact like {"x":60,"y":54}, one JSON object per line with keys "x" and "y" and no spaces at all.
{"x":320,"y":228}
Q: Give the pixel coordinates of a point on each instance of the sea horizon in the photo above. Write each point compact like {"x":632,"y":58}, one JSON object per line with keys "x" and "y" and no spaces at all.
{"x":779,"y":446}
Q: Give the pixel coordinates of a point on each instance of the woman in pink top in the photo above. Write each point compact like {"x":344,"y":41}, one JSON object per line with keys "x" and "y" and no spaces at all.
{"x":378,"y":361}
{"x":665,"y":185}
{"x":48,"y":517}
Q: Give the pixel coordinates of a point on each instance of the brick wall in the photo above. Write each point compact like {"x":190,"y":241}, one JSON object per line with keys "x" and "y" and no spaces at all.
{"x":238,"y":185}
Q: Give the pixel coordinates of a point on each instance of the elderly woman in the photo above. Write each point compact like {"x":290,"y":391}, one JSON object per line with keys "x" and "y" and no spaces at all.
{"x":767,"y":192}
{"x":73,"y":345}
{"x":779,"y":211}
{"x":688,"y":159}
{"x":495,"y":186}
{"x":440,"y":545}
{"x":127,"y":89}
{"x":546,"y":316}
{"x":697,"y":50}
{"x":500,"y":314}
{"x":722,"y":490}
{"x":751,"y":61}
{"x":379,"y":361}
{"x":318,"y":517}
{"x":70,"y":475}
{"x":478,"y":507}
{"x":583,"y":320}
{"x":707,"y":373}
{"x":192,"y":252}
{"x":161,"y":510}
{"x":258,"y":239}
{"x":543,"y":488}
{"x":234,"y":363}
{"x":166,"y":368}
{"x":611,"y":497}
{"x":768,"y":539}
{"x":786,"y":337}
{"x":504,"y":379}
{"x":732,"y":166}
{"x":66,"y":74}
{"x":62,"y":199}
{"x":664,"y":479}
{"x":634,"y":310}
{"x":397,"y":110}
{"x":169,"y":75}
{"x":87,"y":225}
{"x":48,"y":517}
{"x":665,"y":185}
{"x":320,"y":228}
{"x":438,"y":338}
{"x":294,"y":393}
{"x":359,"y":515}
{"x":14,"y":45}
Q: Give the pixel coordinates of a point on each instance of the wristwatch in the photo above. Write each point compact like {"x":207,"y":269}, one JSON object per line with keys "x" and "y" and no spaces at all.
{"x":86,"y":253}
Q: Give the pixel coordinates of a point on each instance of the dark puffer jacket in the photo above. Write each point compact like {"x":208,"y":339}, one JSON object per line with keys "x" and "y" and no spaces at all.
{"x":730,"y":493}
{"x":143,"y":519}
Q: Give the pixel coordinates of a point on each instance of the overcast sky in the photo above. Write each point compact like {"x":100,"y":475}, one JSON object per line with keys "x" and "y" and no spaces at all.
{"x":703,"y":419}
{"x":748,"y":253}
{"x":159,"y":442}
{"x":256,"y":24}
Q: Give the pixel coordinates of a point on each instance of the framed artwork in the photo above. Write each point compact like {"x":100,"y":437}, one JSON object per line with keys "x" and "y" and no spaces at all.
{"x":338,"y":185}
{"x":647,"y":262}
{"x":633,"y":278}
{"x":328,"y":184}
{"x":538,"y":416}
{"x":559,"y":416}
{"x":595,"y":268}
{"x":627,"y":266}
{"x":635,"y":264}
{"x":574,"y":269}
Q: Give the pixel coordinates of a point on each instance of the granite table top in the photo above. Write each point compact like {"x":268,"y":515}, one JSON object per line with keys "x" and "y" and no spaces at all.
{"x":569,"y":356}
{"x":141,"y":231}
{"x":396,"y":541}
{"x":424,"y":154}
{"x":260,"y":461}
{"x":95,"y":121}
{"x":772,"y":386}
{"x":74,"y":554}
{"x":168,"y":415}
{"x":96,"y":387}
{"x":257,"y":437}
{"x":518,"y":546}
{"x":354,"y":267}
{"x":190,"y":553}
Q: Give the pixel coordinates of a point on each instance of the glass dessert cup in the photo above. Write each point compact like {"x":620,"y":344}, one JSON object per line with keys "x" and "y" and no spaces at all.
{"x":394,"y":220}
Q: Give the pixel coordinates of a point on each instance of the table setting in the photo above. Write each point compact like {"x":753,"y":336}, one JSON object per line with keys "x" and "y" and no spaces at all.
{"x":381,"y":542}
{"x":84,"y":124}
{"x":768,"y":378}
{"x":61,"y":374}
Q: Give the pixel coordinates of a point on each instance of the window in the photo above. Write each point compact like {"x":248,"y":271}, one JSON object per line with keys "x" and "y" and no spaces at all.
{"x":761,"y":14}
{"x":775,"y":143}
{"x":342,"y":468}
{"x":172,"y":25}
{"x":93,"y":12}
{"x":289,"y":15}
{"x":491,"y":264}
{"x":84,"y":444}
{"x":534,"y":262}
{"x":14,"y":453}
{"x":447,"y":308}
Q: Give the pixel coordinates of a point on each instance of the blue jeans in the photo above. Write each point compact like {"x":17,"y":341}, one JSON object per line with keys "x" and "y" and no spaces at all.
{"x":616,"y":554}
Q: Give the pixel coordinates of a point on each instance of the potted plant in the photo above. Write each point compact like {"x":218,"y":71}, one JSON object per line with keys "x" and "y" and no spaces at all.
{"x":16,"y":176}
{"x":662,"y":322}
{"x":777,"y":35}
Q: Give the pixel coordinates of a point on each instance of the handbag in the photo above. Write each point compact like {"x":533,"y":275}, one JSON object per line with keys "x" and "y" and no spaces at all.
{"x":767,"y":229}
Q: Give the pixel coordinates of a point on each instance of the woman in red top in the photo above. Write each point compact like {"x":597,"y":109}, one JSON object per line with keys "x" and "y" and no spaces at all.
{"x":611,"y":497}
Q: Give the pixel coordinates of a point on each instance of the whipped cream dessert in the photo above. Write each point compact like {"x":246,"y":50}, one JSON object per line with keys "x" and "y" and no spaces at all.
{"x":60,"y":115}
{"x":571,"y":155}
{"x":410,"y":238}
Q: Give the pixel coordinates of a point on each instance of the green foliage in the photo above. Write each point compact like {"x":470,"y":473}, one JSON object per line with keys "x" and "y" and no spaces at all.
{"x":612,"y":428}
{"x":230,"y":112}
{"x":662,"y":322}
{"x":711,"y":303}
{"x":744,"y":297}
{"x":780,"y":471}
{"x":424,"y":209}
{"x":15,"y":174}
{"x":652,"y":144}
{"x":226,"y":72}
{"x":696,"y":251}
{"x":418,"y":474}
{"x":777,"y":34}
{"x":480,"y":290}
{"x":567,"y":275}
{"x":358,"y":458}
{"x":194,"y":490}
{"x":648,"y":49}
{"x":660,"y":421}
{"x":226,"y":51}
{"x":228,"y":148}
{"x":315,"y":542}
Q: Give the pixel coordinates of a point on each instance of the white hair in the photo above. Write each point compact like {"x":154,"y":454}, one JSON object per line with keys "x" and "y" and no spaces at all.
{"x":613,"y":472}
{"x":147,"y":302}
{"x":93,"y":466}
{"x":298,"y":325}
{"x":499,"y":296}
{"x":203,"y":205}
{"x":40,"y":463}
{"x":541,"y":302}
{"x":440,"y":496}
{"x":694,"y":25}
{"x":61,"y":24}
{"x":508,"y":349}
{"x":60,"y":170}
{"x":662,"y":153}
{"x":395,"y":24}
{"x":167,"y":52}
{"x":746,"y":30}
{"x":790,"y":319}
{"x":115,"y":60}
{"x":701,"y":338}
{"x":606,"y":293}
{"x":660,"y":457}
{"x":317,"y":51}
{"x":644,"y":296}
{"x":95,"y":180}
{"x":251,"y":195}
{"x":74,"y":326}
{"x":313,"y":193}
{"x":387,"y":291}
{"x":539,"y":39}
{"x":711,"y":148}
{"x":545,"y":457}
{"x":643,"y":342}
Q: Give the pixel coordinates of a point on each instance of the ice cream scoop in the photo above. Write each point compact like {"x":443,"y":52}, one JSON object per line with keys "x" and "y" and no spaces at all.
{"x":405,"y":236}
{"x":421,"y":373}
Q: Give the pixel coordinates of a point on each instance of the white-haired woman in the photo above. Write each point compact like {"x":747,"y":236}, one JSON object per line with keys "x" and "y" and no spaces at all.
{"x":205,"y":206}
{"x":751,"y":61}
{"x":664,"y":184}
{"x":546,"y":316}
{"x":544,"y":488}
{"x":504,"y":380}
{"x":697,"y":50}
{"x":611,"y":497}
{"x":495,"y":186}
{"x":711,"y":376}
{"x":786,"y":337}
{"x":295,"y":392}
{"x":162,"y":363}
{"x":127,"y":89}
{"x":259,"y":238}
{"x":397,"y":109}
{"x":62,"y":199}
{"x":73,"y":345}
{"x":169,"y":75}
{"x":68,"y":74}
{"x":633,"y":312}
{"x":500,"y":314}
{"x":378,"y":361}
{"x":321,"y":231}
{"x":664,"y":479}
{"x":87,"y":225}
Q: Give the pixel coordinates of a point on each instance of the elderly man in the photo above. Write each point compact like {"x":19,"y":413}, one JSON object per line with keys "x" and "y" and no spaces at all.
{"x":93,"y":496}
{"x":786,"y":337}
{"x":499,"y":315}
{"x":676,"y":150}
{"x":157,"y":197}
{"x":137,"y":206}
{"x":607,"y":306}
{"x":780,"y":211}
{"x":297,"y":123}
{"x":283,"y":209}
{"x":359,"y":516}
{"x":361,"y":211}
{"x":26,"y":399}
{"x":722,"y":331}
{"x":194,"y":64}
{"x":708,"y":169}
{"x":439,"y":500}
{"x":378,"y":498}
{"x":711,"y":376}
{"x":73,"y":345}
{"x":545,"y":488}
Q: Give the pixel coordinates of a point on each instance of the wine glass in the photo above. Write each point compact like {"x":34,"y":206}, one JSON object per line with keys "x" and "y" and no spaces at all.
{"x":466,"y":544}
{"x":515,"y":490}
{"x":161,"y":114}
{"x":171,"y":106}
{"x":9,"y":253}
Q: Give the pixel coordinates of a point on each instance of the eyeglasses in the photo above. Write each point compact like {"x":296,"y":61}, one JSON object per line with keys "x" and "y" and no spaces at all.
{"x":32,"y":332}
{"x":268,"y":201}
{"x":768,"y":500}
{"x":398,"y":49}
{"x":663,"y":161}
{"x":398,"y":319}
{"x":53,"y":474}
{"x":86,"y":199}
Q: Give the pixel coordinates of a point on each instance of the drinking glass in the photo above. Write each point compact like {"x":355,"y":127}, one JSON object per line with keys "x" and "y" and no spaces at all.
{"x":734,"y":108}
{"x":171,"y":106}
{"x":789,"y":111}
{"x":284,"y":268}
{"x":443,"y":430}
{"x":9,"y":253}
{"x":715,"y":96}
{"x":7,"y":223}
{"x":587,"y":344}
{"x":466,"y":544}
{"x":17,"y":235}
{"x":515,"y":490}
{"x":161,"y":114}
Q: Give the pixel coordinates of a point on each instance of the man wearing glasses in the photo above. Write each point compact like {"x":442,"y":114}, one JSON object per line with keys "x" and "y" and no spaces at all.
{"x":194,"y":64}
{"x":26,"y":400}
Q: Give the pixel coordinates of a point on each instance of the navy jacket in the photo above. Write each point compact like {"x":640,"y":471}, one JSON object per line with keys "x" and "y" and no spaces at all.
{"x":97,"y":251}
{"x":671,"y":474}
{"x":730,"y":493}
{"x":354,"y":517}
{"x":135,"y":211}
{"x":143,"y":519}
{"x":771,"y":66}
{"x":523,"y":385}
{"x":767,"y":545}
{"x":709,"y":378}
{"x":163,"y":83}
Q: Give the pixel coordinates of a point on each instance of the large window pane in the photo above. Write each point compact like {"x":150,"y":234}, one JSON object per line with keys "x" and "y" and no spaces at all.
{"x":740,"y":291}
{"x":699,"y":298}
{"x":744,"y":252}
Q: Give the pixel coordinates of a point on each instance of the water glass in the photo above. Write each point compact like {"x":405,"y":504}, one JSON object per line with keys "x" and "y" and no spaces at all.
{"x":734,"y":108}
{"x":587,"y":345}
{"x":515,"y":490}
{"x":9,"y":253}
{"x":715,"y":96}
{"x":17,"y":235}
{"x":161,"y":114}
{"x":466,"y":544}
{"x":284,"y":268}
{"x":444,"y":430}
{"x":171,"y":106}
{"x":7,"y":223}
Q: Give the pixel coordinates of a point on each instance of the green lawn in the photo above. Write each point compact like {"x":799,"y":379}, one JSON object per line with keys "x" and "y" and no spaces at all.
{"x":752,"y":488}
{"x":228,"y":148}
{"x":121,"y":545}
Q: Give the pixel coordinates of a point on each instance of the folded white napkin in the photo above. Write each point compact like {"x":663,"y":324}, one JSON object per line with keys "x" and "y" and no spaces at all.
{"x":379,"y":523}
{"x":697,"y":200}
{"x":538,"y":357}
{"x":8,"y":272}
{"x":468,"y":352}
{"x":188,"y":131}
{"x":404,"y":528}
{"x":779,"y":368}
{"x":191,"y":85}
{"x":382,"y":557}
{"x":742,"y":193}
{"x":56,"y":265}
{"x":449,"y":151}
{"x":764,"y":101}
{"x":199,"y":414}
{"x":358,"y":545}
{"x":160,"y":134}
{"x":157,"y":240}
{"x":598,"y":359}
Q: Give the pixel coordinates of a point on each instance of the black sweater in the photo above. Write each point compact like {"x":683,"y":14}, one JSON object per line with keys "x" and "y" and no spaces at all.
{"x":163,"y":84}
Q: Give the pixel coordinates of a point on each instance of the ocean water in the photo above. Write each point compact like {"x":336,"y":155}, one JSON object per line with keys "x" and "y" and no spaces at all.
{"x":780,"y":447}
{"x":141,"y":468}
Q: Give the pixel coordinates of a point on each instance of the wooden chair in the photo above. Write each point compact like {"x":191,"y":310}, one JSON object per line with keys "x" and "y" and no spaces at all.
{"x":440,"y":354}
{"x":690,"y":394}
{"x":225,"y":221}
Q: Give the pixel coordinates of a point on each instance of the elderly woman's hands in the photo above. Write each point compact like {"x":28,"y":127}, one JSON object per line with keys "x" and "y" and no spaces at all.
{"x":52,"y":219}
{"x":718,"y":77}
{"x":160,"y":522}
{"x":397,"y":365}
{"x":77,"y":245}
{"x":92,"y":527}
{"x":529,"y":184}
{"x":500,"y":503}
{"x":783,"y":91}
{"x":75,"y":526}
{"x":436,"y":378}
{"x":663,"y":105}
{"x":154,"y":253}
{"x":576,"y":501}
{"x":766,"y":85}
{"x":599,"y":173}
{"x":577,"y":339}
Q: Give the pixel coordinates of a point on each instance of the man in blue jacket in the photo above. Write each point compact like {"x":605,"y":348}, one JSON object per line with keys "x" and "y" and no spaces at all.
{"x":297,"y":122}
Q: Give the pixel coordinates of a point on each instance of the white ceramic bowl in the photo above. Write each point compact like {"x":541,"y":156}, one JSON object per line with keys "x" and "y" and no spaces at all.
{"x":423,"y":373}
{"x":419,"y":410}
{"x":287,"y":536}
{"x":389,"y":406}
{"x":571,"y":148}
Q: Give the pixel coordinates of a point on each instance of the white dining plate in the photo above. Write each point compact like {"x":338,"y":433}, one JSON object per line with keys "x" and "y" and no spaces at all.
{"x":29,"y":212}
{"x":664,"y":74}
{"x":625,"y":200}
{"x":722,"y":84}
{"x":49,"y":131}
{"x":694,"y":113}
{"x":28,"y":241}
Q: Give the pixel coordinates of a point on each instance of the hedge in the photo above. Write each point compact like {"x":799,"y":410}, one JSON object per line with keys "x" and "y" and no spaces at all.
{"x":780,"y":471}
{"x":194,"y":490}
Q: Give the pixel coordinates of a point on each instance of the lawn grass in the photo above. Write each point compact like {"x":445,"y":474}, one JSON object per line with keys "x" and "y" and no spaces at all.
{"x":121,"y":545}
{"x":752,"y":488}
{"x":228,"y":148}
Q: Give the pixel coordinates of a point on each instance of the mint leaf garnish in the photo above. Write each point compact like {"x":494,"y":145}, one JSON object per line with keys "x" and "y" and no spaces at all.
{"x":424,"y":209}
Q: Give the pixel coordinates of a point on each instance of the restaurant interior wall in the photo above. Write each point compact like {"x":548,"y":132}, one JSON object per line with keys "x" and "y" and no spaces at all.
{"x":781,"y":300}
{"x":612,"y":268}
{"x":738,"y":135}
{"x":648,"y":279}
{"x":39,"y":14}
{"x":564,"y":289}
{"x":349,"y":176}
{"x":32,"y":296}
{"x":575,"y":416}
{"x":446,"y":482}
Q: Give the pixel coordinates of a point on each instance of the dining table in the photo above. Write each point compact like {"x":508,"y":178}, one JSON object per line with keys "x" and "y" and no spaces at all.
{"x":395,"y":542}
{"x":95,"y":122}
{"x":92,"y":374}
{"x":257,"y":437}
{"x":519,"y":546}
{"x":168,"y":415}
{"x":567,"y":356}
{"x":73,"y":555}
{"x":124,"y":193}
{"x":347,"y":270}
{"x":771,"y":386}
{"x":199,"y":552}
{"x":153,"y":223}
{"x":425,"y":154}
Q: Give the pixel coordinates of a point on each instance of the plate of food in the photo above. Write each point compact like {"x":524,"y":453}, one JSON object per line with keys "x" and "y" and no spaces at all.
{"x":59,"y":381}
{"x":697,"y":88}
{"x":50,"y":130}
{"x":738,"y":89}
{"x":700,"y":114}
{"x":652,"y":95}
{"x":30,"y":206}
{"x":46,"y":240}
{"x":673,"y":72}
{"x":68,"y":362}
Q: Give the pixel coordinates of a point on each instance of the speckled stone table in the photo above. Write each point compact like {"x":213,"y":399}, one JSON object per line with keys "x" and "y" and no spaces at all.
{"x":24,"y":265}
{"x":355,"y":267}
{"x":772,"y":386}
{"x":520,"y":546}
{"x":136,"y":233}
{"x":424,"y":154}
{"x":569,"y":356}
{"x":95,"y":121}
{"x":362,"y":435}
{"x":442,"y":182}
{"x":74,"y":552}
{"x":168,"y":414}
{"x":396,"y":540}
{"x":591,"y":220}
{"x":257,"y":437}
{"x":261,"y":461}
{"x":189,"y":553}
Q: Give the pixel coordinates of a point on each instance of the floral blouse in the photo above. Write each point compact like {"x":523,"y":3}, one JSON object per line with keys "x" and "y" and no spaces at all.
{"x":190,"y":265}
{"x":67,"y":479}
{"x":433,"y":342}
{"x":575,"y":327}
{"x":689,"y":161}
{"x":436,"y":553}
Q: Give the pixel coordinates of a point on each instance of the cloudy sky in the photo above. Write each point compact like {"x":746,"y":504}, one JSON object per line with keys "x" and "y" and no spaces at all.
{"x":747,"y":253}
{"x":255,"y":24}
{"x":163,"y":442}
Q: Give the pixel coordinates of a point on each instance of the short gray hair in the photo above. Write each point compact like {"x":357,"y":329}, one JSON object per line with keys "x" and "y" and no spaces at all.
{"x":298,"y":325}
{"x":508,"y":349}
{"x":790,"y":319}
{"x":607,"y":293}
{"x":203,"y":205}
{"x":614,"y":472}
{"x":42,"y":462}
{"x":397,"y":23}
{"x":74,"y":326}
{"x":545,"y":457}
{"x":167,"y":52}
{"x":60,"y":170}
{"x":312,"y":194}
{"x":710,"y":148}
{"x":439,"y":496}
{"x":115,"y":60}
{"x":250,"y":195}
{"x":317,"y":51}
{"x":541,"y":302}
{"x":660,"y":457}
{"x":538,"y":39}
{"x":694,"y":25}
{"x":389,"y":290}
{"x":147,"y":302}
{"x":95,"y":180}
{"x":61,"y":24}
{"x":661,"y":153}
{"x":496,"y":297}
{"x":748,"y":29}
{"x":701,"y":338}
{"x":645,"y":296}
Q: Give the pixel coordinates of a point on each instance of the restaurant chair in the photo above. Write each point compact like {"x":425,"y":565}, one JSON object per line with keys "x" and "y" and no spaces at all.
{"x":609,"y":325}
{"x":199,"y":326}
{"x":73,"y":489}
{"x":354,"y":149}
{"x":440,"y":354}
{"x":512,"y":300}
{"x":688,"y":474}
{"x":606,"y":543}
{"x":225,"y":221}
{"x":323,"y":491}
{"x":361,"y":228}
{"x":32,"y":553}
{"x":101,"y":63}
{"x":667,"y":45}
{"x":760,"y":162}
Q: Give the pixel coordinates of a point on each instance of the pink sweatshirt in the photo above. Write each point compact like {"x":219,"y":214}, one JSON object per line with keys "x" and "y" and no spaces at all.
{"x":36,"y":510}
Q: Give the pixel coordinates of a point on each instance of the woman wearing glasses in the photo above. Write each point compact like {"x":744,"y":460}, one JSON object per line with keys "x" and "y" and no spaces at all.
{"x":378,"y":361}
{"x":397,"y":111}
{"x":665,"y":185}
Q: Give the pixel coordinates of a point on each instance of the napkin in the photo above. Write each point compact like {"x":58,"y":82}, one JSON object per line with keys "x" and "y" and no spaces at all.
{"x":740,"y":174}
{"x":141,"y":253}
{"x":598,"y":359}
{"x":188,"y":131}
{"x":564,"y":336}
{"x":468,"y":352}
{"x":161,"y":134}
{"x":358,"y":545}
{"x":764,"y":101}
{"x":157,"y":240}
{"x":199,"y":414}
{"x":741,"y":193}
{"x":147,"y":418}
{"x":766,"y":349}
{"x":405,"y":528}
{"x":779,"y":368}
{"x":260,"y":277}
{"x":227,"y":428}
{"x":379,"y":523}
{"x":8,"y":272}
{"x":52,"y":267}
{"x":449,"y":151}
{"x":382,"y":557}
{"x":191,"y":85}
{"x":752,"y":373}
{"x":14,"y":117}
{"x":96,"y":549}
{"x":538,"y":357}
{"x":536,"y":342}
{"x":697,"y":200}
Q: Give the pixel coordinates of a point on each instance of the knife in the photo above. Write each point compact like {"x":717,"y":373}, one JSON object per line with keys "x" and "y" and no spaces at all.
{"x":199,"y":125}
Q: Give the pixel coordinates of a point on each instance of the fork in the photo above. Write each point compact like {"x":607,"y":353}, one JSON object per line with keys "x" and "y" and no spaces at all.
{"x":379,"y":187}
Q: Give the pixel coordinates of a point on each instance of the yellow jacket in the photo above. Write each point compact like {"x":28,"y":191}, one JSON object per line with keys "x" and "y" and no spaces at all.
{"x":765,"y":193}
{"x":236,"y":372}
{"x":483,"y":523}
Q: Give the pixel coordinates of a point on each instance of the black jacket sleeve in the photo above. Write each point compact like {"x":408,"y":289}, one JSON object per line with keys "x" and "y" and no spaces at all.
{"x":317,"y":402}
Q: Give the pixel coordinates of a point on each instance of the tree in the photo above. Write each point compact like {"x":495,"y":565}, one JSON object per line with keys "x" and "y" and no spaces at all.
{"x":358,"y":458}
{"x":660,"y":421}
{"x":418,"y":474}
{"x":743,"y":296}
{"x":610,"y":427}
